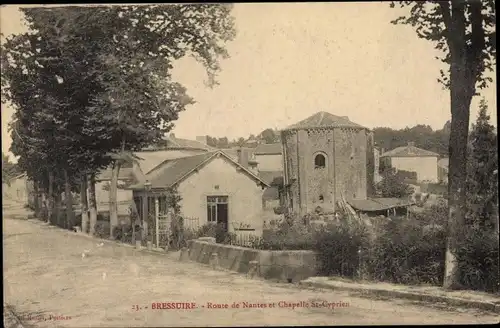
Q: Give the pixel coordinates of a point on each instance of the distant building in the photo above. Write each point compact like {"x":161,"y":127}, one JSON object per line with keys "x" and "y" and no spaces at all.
{"x":413,"y":159}
{"x":443,"y":165}
{"x":17,"y":189}
{"x":269,"y":157}
{"x":325,"y":159}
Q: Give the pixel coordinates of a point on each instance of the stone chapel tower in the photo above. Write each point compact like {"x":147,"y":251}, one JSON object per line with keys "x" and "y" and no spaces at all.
{"x":325,"y":157}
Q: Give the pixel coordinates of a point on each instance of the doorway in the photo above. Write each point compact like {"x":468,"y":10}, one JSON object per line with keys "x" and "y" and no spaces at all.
{"x":218,"y":211}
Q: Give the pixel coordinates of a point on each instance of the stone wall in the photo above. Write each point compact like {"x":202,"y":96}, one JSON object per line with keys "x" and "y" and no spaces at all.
{"x":286,"y":266}
{"x":350,"y":168}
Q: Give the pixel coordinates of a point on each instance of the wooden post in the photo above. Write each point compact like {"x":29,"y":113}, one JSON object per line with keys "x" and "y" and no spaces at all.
{"x":157,"y":219}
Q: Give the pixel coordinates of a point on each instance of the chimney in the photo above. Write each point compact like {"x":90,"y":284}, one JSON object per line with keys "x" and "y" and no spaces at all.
{"x":243,"y":157}
{"x":411,"y":144}
{"x":202,"y":139}
{"x":253,"y":164}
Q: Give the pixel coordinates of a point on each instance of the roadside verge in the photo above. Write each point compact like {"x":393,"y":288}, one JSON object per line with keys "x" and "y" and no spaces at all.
{"x":467,"y":299}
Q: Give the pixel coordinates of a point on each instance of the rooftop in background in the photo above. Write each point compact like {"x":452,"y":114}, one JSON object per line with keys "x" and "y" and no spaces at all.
{"x":124,"y":174}
{"x":174,"y":143}
{"x":233,"y":152}
{"x":324,"y":120}
{"x":269,"y":149}
{"x":378,"y":204}
{"x":152,"y":158}
{"x":409,"y":151}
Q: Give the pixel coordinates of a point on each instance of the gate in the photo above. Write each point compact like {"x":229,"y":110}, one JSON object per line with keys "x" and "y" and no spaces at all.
{"x":164,"y":230}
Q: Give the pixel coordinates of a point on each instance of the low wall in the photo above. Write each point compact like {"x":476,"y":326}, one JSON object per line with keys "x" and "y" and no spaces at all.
{"x":289,"y":266}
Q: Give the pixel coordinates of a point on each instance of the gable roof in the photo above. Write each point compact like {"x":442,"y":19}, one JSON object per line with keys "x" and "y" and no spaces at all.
{"x":324,"y":119}
{"x":233,"y":152}
{"x":125,"y":173}
{"x":174,"y":142}
{"x":269,"y":149}
{"x":409,"y":151}
{"x":149,"y":160}
{"x":173,"y":171}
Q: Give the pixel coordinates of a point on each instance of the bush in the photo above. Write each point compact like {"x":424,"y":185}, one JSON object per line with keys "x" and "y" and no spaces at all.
{"x":123,"y":234}
{"x":217,"y":231}
{"x":406,"y":253}
{"x":289,"y":235}
{"x":478,"y":260}
{"x":337,"y":248}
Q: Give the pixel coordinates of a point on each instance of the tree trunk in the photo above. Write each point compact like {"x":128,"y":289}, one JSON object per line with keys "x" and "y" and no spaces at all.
{"x":70,"y":215}
{"x":92,"y":205}
{"x":84,"y":203}
{"x":113,"y":190}
{"x":462,"y":88}
{"x":45,"y":208}
{"x":50,"y":209}
{"x":36,"y":199}
{"x":57,"y":208}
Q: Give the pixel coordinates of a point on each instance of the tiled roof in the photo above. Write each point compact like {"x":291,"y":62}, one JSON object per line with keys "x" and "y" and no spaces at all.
{"x":270,"y":176}
{"x":151,"y":159}
{"x":269,"y":149}
{"x":174,"y":170}
{"x":233,"y":152}
{"x":124,"y":174}
{"x":378,"y":204}
{"x":409,"y":151}
{"x":324,"y":119}
{"x":174,"y":142}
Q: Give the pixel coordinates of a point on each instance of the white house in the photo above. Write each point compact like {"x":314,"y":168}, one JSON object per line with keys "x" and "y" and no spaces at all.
{"x":214,"y":189}
{"x":413,"y":159}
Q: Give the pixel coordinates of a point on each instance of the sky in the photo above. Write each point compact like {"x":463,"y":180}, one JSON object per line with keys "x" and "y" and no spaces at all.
{"x":292,"y":60}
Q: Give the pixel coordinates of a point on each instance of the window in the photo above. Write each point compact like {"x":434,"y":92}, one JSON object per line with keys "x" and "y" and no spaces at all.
{"x":162,"y":205}
{"x":216,"y":208}
{"x":319,"y":161}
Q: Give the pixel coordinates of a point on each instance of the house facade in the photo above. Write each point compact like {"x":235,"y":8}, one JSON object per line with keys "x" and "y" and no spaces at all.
{"x":269,"y":157}
{"x":214,"y":188}
{"x":325,"y":159}
{"x":443,"y":166}
{"x":16,"y":189}
{"x":410,"y":158}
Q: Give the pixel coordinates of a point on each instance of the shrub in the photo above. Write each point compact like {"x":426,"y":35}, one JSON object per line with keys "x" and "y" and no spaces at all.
{"x":478,"y":260}
{"x":337,"y":248}
{"x":288,"y":236}
{"x":123,"y":233}
{"x":405,"y":253}
{"x":217,"y":231}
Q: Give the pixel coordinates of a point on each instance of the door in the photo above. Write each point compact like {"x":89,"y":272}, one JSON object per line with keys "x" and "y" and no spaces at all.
{"x":218,"y":210}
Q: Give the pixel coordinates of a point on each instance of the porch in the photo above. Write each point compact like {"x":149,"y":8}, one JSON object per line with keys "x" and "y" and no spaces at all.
{"x":157,"y":219}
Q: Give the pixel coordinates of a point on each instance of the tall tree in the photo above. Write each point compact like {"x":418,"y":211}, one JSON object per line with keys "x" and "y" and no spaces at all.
{"x":140,"y":100}
{"x":464,"y":30}
{"x":482,"y":186}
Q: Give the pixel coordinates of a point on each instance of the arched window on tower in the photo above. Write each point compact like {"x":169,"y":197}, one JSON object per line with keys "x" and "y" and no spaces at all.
{"x":319,"y":161}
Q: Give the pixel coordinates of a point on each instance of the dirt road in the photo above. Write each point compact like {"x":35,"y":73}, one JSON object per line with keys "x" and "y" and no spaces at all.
{"x":48,"y":283}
